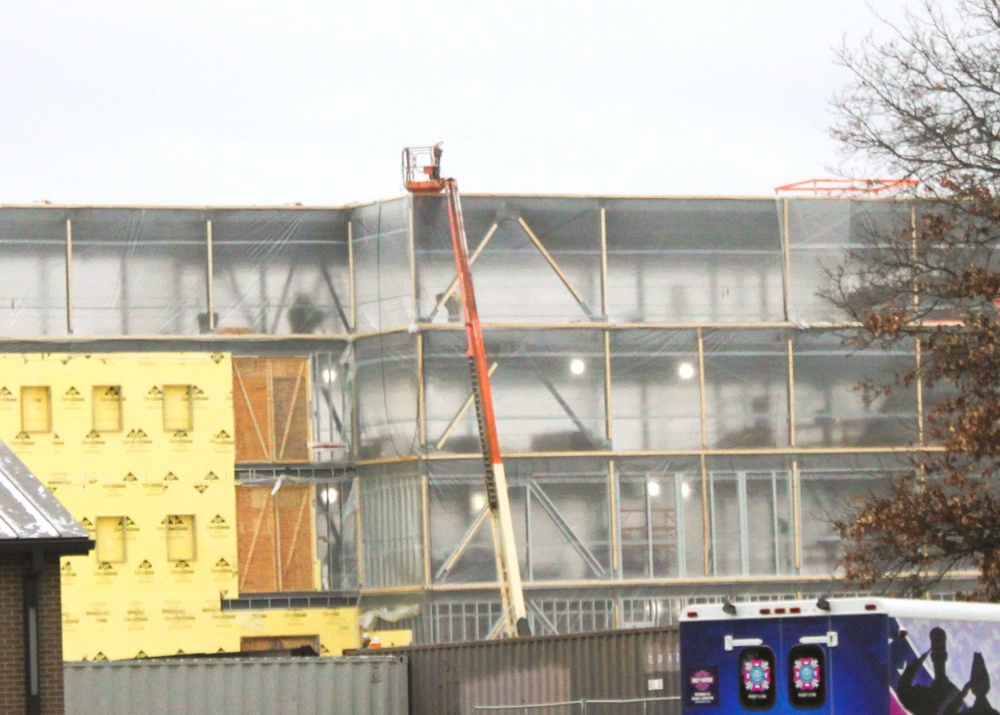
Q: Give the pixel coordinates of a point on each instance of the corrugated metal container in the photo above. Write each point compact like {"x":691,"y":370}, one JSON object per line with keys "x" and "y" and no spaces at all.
{"x":453,"y":679}
{"x":243,"y":686}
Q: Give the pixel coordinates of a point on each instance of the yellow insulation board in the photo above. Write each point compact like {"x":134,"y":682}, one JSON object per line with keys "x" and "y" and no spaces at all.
{"x":164,"y":496}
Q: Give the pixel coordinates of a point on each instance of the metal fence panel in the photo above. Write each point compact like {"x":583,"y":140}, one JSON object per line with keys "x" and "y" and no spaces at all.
{"x":243,"y":686}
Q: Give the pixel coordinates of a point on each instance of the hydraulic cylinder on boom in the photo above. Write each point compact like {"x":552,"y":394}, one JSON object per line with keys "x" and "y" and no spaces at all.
{"x":422,"y":175}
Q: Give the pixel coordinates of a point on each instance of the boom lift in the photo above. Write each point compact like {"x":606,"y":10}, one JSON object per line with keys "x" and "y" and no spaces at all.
{"x":422,"y":175}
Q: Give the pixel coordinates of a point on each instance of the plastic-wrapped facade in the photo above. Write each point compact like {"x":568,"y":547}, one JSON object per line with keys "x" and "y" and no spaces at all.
{"x":677,"y":414}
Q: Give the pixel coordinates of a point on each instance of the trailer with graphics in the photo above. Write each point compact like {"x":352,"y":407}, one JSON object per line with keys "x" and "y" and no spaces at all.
{"x":851,"y":656}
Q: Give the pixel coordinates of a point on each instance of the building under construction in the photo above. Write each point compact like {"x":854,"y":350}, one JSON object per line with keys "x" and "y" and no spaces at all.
{"x":677,"y":415}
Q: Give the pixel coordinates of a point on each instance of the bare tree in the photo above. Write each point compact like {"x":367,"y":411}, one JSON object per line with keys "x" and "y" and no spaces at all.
{"x":926,"y":103}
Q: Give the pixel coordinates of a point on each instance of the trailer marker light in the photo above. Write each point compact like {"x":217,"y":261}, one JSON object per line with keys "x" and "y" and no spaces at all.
{"x":765,"y":611}
{"x":795,"y":609}
{"x":692,"y":614}
{"x":903,"y":634}
{"x":870,"y":607}
{"x":779,"y":610}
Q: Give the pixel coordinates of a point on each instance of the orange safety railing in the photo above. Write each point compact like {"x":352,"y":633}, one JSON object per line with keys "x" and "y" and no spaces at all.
{"x":837,"y":187}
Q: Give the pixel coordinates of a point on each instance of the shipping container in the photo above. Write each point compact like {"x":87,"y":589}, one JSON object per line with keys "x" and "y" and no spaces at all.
{"x":476,"y":677}
{"x":239,"y":686}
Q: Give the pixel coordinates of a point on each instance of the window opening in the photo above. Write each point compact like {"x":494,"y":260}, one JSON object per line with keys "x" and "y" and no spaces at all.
{"x":177,"y":414}
{"x":180,"y":537}
{"x":107,"y":408}
{"x":110,"y":538}
{"x":36,"y":409}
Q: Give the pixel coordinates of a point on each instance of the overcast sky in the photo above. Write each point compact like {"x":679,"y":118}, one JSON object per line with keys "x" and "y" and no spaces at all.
{"x":218,"y":102}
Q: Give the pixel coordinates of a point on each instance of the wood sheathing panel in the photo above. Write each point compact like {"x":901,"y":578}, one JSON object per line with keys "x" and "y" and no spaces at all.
{"x":271,"y":410}
{"x":276,"y":538}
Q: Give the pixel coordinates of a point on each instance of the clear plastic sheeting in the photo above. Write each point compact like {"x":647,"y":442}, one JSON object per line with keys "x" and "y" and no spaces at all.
{"x":693,"y":260}
{"x":655,"y":389}
{"x":139,"y":271}
{"x":336,"y":508}
{"x":830,"y":487}
{"x":382,"y":273}
{"x":33,"y":272}
{"x":560,"y":512}
{"x":391,"y":498}
{"x":750,"y":516}
{"x":554,"y":244}
{"x":548,"y":390}
{"x":386,"y":386}
{"x":746,"y":388}
{"x":821,"y":234}
{"x":280,"y":272}
{"x":831,"y":410}
{"x":660,"y":521}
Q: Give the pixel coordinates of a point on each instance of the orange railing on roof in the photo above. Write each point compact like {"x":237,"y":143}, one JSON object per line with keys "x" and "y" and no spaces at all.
{"x":834,"y":187}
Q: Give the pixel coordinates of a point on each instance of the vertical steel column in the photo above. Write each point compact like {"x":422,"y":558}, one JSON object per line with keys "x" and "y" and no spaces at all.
{"x":614,"y":506}
{"x":425,"y":507}
{"x":796,"y":512}
{"x":358,"y":533}
{"x":529,"y":566}
{"x":786,"y":276}
{"x":792,"y":440}
{"x":613,"y":494}
{"x":69,"y":276}
{"x":706,"y":525}
{"x":211,"y":275}
{"x":679,"y":520}
{"x":712,"y":558}
{"x":741,"y":501}
{"x":649,"y":527}
{"x":351,"y":277}
{"x":775,"y":528}
{"x":609,"y":433}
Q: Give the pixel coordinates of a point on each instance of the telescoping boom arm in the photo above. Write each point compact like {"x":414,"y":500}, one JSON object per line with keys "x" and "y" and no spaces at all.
{"x":422,"y":174}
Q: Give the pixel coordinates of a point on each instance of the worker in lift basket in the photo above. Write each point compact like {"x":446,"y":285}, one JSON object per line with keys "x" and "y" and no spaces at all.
{"x":436,"y":152}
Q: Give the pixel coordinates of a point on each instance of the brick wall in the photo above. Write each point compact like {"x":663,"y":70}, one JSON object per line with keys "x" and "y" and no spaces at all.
{"x":12,"y":663}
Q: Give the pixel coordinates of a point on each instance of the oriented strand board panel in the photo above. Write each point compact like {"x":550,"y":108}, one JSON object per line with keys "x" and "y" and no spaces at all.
{"x":277,"y":539}
{"x":271,"y":410}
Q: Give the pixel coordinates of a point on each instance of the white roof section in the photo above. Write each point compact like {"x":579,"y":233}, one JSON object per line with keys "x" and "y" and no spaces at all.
{"x":29,"y":511}
{"x":896,"y":607}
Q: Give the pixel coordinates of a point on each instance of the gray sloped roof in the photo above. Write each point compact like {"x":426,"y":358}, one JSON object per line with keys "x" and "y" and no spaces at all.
{"x":30,"y":515}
